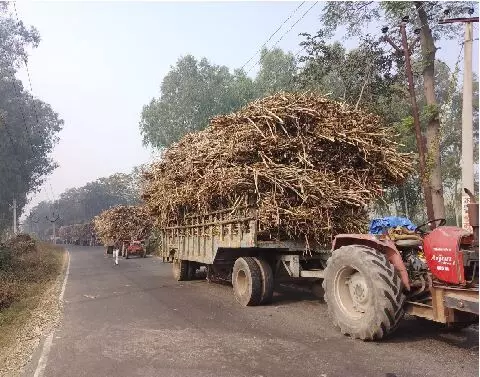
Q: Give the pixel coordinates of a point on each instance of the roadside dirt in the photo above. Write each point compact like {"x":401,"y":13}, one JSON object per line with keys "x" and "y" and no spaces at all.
{"x":36,"y":323}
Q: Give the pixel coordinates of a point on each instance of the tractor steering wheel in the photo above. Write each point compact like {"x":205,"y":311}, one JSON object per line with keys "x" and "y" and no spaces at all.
{"x":419,"y":229}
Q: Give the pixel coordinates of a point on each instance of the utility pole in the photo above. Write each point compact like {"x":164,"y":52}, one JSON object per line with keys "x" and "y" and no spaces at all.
{"x":14,"y":208}
{"x":466,"y":161}
{"x":53,"y":221}
{"x":14,"y":216}
{"x":36,"y":230}
{"x":406,"y":51}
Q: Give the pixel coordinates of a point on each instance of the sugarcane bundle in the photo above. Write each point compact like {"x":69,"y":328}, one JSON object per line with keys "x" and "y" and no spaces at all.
{"x":123,"y":223}
{"x":77,"y":230}
{"x":65,"y":231}
{"x":312,"y":166}
{"x":87,"y":230}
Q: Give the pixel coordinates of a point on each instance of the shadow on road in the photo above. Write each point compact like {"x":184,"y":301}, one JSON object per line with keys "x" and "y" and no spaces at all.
{"x":410,"y":329}
{"x":286,"y":294}
{"x":413,"y":329}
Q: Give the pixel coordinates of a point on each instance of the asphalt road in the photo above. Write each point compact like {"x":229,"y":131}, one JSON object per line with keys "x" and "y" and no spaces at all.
{"x":135,"y":320}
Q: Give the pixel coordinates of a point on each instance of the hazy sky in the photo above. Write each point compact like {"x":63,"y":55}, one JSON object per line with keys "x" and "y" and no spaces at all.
{"x":99,"y":63}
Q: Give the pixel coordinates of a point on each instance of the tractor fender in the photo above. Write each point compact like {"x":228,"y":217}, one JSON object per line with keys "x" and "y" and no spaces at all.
{"x":385,"y":246}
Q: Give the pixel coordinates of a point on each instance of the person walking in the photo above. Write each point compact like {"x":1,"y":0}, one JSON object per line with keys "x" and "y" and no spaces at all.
{"x":116,"y":250}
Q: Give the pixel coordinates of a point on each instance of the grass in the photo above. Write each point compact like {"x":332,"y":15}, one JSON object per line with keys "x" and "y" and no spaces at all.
{"x":25,"y":274}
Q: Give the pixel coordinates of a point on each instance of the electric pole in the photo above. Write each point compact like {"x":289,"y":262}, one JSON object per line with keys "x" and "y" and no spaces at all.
{"x":53,"y":221}
{"x":14,"y":208}
{"x":466,"y":161}
{"x":406,"y":50}
{"x":36,"y":228}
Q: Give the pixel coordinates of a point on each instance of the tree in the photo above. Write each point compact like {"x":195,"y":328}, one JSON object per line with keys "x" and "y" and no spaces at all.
{"x":28,"y":126}
{"x":191,"y":93}
{"x":80,"y":205}
{"x":356,"y":15}
{"x":277,"y":72}
{"x":195,"y":91}
{"x":362,"y":77}
{"x":15,"y":38}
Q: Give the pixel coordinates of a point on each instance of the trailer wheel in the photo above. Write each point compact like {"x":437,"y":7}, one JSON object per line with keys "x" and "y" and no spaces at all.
{"x":247,"y":281}
{"x":180,"y":269}
{"x":192,"y":270}
{"x":267,"y":281}
{"x":363,"y":292}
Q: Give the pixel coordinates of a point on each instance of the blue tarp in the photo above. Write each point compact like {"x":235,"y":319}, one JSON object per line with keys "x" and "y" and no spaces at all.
{"x":380,"y":226}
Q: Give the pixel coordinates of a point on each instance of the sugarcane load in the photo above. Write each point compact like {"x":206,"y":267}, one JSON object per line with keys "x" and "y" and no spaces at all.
{"x":123,"y":223}
{"x":309,"y":165}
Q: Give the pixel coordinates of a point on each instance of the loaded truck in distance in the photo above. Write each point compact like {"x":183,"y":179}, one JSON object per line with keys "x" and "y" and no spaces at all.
{"x":369,"y":281}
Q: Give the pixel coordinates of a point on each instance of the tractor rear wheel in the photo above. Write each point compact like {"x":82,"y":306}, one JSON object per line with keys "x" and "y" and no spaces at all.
{"x":363,"y":292}
{"x":247,"y":281}
{"x":180,"y":269}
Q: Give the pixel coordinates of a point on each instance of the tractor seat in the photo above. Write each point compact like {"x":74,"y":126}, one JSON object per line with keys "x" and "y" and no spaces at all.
{"x":406,"y":244}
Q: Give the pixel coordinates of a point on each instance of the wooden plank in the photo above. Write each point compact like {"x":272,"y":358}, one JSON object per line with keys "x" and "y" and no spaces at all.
{"x":419,"y":310}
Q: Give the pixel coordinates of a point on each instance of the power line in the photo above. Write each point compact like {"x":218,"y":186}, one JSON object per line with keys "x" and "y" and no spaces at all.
{"x":27,"y":133}
{"x":273,"y":34}
{"x":284,"y":34}
{"x":301,"y":18}
{"x":31,"y":88}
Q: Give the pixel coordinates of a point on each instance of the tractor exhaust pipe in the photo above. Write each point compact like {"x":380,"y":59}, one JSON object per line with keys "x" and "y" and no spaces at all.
{"x":473,"y":213}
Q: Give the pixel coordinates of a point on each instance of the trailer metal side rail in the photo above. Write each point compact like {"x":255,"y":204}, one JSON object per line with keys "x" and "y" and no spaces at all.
{"x":200,"y":236}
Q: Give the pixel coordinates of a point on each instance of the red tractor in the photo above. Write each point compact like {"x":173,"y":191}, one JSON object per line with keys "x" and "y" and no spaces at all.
{"x":134,"y":248}
{"x":371,"y":281}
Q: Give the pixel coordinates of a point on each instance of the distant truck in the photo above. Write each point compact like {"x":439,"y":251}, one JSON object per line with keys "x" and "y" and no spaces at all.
{"x":369,"y":281}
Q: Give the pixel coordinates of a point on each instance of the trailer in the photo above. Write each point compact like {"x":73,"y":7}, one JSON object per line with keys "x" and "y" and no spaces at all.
{"x":369,"y":282}
{"x":228,"y":243}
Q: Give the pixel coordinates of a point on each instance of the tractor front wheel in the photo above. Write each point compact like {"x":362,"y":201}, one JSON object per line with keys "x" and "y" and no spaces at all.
{"x":363,"y":292}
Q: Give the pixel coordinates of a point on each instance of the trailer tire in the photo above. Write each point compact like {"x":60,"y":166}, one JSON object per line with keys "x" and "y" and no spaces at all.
{"x":180,"y":269}
{"x":267,"y":281}
{"x":192,"y":270}
{"x":247,"y":281}
{"x":363,"y":292}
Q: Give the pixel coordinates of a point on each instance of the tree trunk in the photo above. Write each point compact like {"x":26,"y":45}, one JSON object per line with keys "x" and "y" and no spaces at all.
{"x":433,"y":166}
{"x":405,"y":203}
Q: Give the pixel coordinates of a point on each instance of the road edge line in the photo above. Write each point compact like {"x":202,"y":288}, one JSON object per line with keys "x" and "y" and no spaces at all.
{"x":47,"y":345}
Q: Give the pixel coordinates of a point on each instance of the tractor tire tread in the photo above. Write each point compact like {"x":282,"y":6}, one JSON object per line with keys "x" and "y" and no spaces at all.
{"x":388,"y":290}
